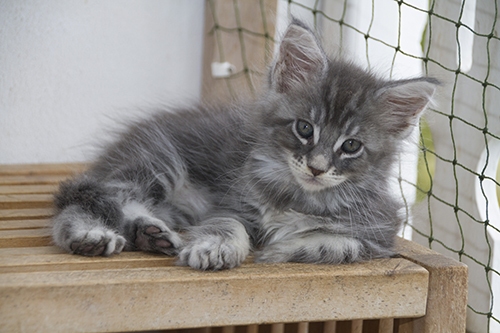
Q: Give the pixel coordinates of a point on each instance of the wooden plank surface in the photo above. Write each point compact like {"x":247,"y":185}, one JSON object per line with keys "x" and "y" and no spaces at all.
{"x":23,"y":224}
{"x":32,"y":179}
{"x":167,"y":296}
{"x":20,"y":201}
{"x":63,"y":292}
{"x":42,"y":169}
{"x":21,"y":251}
{"x":26,"y":214}
{"x":25,"y":238}
{"x":57,"y":261}
{"x":28,"y":189}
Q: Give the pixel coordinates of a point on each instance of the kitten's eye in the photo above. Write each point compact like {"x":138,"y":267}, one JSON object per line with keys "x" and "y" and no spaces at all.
{"x":304,"y":129}
{"x":351,"y":146}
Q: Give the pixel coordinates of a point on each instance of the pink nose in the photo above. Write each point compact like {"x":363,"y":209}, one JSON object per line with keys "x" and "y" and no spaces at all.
{"x":314,"y":171}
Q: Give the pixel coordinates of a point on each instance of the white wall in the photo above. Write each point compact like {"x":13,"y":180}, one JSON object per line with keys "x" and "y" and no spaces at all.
{"x":68,"y":68}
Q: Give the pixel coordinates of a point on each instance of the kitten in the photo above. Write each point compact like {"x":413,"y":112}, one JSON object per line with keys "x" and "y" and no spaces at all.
{"x":301,"y":174}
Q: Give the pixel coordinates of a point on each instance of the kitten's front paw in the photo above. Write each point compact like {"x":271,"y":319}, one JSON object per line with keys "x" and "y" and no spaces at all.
{"x":96,"y":242}
{"x":213,"y":253}
{"x":315,"y":249}
{"x":271,"y":255}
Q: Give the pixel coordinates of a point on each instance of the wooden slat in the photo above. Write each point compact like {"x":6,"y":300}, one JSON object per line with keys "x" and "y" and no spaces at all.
{"x":278,"y":328}
{"x":26,"y":214}
{"x":23,"y":224}
{"x":303,"y":327}
{"x":252,"y":328}
{"x":21,"y":201}
{"x":228,"y":329}
{"x":32,"y":179}
{"x":405,"y":325}
{"x":167,"y":297}
{"x":66,"y":262}
{"x":22,"y":251}
{"x":28,"y":189}
{"x":42,"y":169}
{"x":357,"y":326}
{"x":24,"y":238}
{"x":330,"y":326}
{"x":386,"y":325}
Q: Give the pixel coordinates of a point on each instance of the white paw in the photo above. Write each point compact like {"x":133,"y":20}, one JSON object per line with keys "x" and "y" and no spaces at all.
{"x":213,"y":253}
{"x":317,"y":249}
{"x":79,"y":233}
{"x":95,"y":242}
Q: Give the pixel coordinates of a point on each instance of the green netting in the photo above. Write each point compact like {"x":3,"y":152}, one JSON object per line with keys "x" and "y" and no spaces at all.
{"x":469,"y":229}
{"x":247,"y":70}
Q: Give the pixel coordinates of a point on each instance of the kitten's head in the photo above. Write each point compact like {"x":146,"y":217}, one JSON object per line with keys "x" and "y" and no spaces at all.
{"x":331,"y":121}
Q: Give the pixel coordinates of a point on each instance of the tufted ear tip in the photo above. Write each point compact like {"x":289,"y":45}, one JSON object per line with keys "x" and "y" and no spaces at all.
{"x":405,"y":101}
{"x":300,"y":58}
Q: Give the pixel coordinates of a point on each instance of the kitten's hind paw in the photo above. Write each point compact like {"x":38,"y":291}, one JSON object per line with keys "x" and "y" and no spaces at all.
{"x":98,"y":242}
{"x":151,"y":238}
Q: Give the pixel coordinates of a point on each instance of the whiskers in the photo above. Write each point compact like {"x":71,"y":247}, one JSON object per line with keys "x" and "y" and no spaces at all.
{"x":267,"y":177}
{"x":369,"y":211}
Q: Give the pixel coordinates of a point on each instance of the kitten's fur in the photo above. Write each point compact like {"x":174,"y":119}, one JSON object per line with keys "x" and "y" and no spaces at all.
{"x":299,"y":175}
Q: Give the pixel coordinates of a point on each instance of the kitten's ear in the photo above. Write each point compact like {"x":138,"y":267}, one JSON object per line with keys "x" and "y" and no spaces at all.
{"x":300,"y":59}
{"x":403,"y":102}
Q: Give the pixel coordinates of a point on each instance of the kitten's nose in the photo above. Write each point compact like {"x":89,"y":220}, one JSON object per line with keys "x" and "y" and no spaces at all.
{"x":314,"y":171}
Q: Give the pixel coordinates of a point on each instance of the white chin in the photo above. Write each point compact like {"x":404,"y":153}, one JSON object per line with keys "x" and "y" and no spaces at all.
{"x":312,"y":184}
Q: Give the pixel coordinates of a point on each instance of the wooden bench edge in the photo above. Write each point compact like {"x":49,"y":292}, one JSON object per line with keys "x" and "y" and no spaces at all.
{"x":448,"y":283}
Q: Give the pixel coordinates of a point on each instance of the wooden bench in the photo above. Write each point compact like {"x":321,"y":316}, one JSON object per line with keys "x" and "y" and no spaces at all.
{"x":44,"y":289}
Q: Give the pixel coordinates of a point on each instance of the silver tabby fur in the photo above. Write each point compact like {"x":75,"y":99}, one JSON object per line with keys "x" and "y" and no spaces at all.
{"x":301,"y":174}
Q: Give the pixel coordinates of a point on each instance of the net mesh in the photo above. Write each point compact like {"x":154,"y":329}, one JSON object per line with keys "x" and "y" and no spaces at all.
{"x":458,"y":136}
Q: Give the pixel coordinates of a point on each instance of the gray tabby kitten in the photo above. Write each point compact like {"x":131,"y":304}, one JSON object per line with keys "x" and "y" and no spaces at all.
{"x":299,"y":175}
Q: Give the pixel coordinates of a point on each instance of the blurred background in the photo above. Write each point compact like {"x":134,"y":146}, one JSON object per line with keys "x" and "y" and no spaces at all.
{"x":68,"y":69}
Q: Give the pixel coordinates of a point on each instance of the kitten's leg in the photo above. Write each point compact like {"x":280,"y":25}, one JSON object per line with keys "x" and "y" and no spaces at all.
{"x":317,"y":247}
{"x":86,"y":218}
{"x":146,"y":232}
{"x":81,"y":233}
{"x":219,"y":243}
